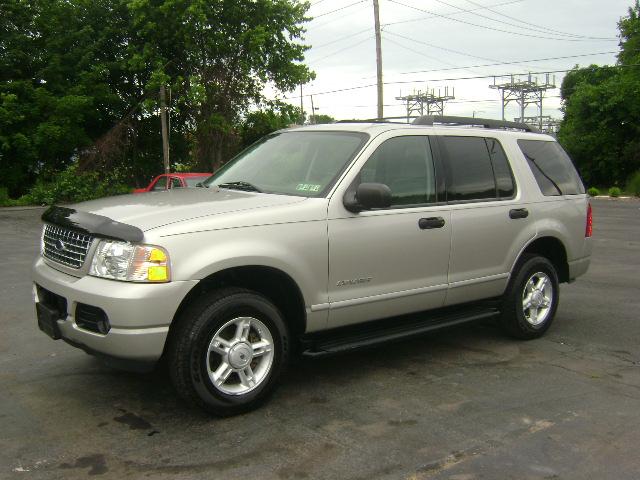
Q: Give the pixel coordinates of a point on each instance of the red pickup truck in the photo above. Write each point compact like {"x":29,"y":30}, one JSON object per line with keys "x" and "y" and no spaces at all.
{"x":173,"y":180}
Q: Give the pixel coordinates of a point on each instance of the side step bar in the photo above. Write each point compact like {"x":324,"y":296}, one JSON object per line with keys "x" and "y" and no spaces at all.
{"x":363,"y":335}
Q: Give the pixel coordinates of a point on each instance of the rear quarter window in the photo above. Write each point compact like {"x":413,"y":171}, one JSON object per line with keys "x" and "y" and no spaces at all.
{"x":552,"y":168}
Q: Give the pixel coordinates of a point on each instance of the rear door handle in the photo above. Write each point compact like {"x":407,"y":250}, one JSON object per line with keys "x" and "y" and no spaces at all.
{"x":518,"y":213}
{"x":431,"y":222}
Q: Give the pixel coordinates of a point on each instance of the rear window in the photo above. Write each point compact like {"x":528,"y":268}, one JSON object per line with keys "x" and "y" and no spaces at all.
{"x":551,"y":167}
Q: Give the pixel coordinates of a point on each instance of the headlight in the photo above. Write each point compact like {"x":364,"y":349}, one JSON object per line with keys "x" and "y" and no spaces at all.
{"x":42,"y":240}
{"x":128,"y":262}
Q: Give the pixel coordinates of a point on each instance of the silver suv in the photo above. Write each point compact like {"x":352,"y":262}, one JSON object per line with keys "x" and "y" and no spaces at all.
{"x":317,"y":240}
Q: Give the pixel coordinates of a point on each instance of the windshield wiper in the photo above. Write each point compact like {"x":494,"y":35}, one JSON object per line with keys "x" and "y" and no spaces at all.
{"x":246,"y":186}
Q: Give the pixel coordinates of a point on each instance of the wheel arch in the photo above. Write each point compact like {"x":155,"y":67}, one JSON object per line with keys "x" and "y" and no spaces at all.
{"x":552,"y":249}
{"x":273,"y":283}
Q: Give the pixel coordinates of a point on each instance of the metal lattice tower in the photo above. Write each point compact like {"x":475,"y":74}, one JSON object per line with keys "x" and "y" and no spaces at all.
{"x":546,"y":124}
{"x":524,"y":91}
{"x":426,"y":103}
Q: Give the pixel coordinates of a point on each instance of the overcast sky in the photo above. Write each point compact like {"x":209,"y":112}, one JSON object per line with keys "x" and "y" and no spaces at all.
{"x":426,"y":42}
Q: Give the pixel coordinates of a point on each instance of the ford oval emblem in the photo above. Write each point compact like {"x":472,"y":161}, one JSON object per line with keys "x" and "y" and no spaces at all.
{"x":60,"y":246}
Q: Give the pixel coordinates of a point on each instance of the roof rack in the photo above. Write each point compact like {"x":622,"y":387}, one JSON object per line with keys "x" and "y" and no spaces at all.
{"x":478,"y":122}
{"x":373,"y":120}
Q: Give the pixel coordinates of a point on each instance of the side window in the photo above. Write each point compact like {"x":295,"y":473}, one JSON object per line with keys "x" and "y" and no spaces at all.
{"x":552,"y":168}
{"x":469,"y":170}
{"x":161,"y":184}
{"x":501,"y":169}
{"x":175,"y":182}
{"x":405,"y":165}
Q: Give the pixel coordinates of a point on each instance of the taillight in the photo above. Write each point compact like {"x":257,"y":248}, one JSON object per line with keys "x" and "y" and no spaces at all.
{"x":589,"y":230}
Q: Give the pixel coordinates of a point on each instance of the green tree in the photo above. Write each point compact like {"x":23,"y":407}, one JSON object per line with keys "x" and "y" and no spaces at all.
{"x":323,"y":118}
{"x":59,"y":68}
{"x":79,"y":80}
{"x":601,"y":125}
{"x":219,"y":55}
{"x":259,"y":123}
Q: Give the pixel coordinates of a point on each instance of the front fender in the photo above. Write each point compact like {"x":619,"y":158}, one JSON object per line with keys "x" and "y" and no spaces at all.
{"x":298,"y":249}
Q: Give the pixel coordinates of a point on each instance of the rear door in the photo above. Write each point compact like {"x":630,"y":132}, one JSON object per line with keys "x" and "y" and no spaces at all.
{"x":490,"y":223}
{"x":386,"y":262}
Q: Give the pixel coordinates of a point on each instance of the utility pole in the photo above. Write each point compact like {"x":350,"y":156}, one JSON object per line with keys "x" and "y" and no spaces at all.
{"x":376,"y":14}
{"x":301,"y":107}
{"x":165,"y":133}
{"x":313,"y":112}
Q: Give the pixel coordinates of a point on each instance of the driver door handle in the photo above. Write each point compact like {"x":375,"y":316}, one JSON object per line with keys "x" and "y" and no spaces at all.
{"x":431,"y":222}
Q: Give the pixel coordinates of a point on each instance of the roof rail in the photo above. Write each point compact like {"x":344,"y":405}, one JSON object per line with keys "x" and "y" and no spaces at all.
{"x":373,"y":120}
{"x":479,"y":122}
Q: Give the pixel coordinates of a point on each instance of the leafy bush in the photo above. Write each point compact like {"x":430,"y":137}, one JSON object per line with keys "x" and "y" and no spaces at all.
{"x":593,"y":191}
{"x":73,"y":186}
{"x":5,"y":201}
{"x":615,"y":192}
{"x":633,"y":184}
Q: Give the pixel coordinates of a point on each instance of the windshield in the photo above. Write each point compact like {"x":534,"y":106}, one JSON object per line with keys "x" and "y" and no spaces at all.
{"x":291,"y":163}
{"x":194,"y":181}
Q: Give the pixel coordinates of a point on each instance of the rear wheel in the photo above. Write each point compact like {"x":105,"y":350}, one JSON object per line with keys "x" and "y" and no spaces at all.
{"x":531,"y":300}
{"x":228,"y":351}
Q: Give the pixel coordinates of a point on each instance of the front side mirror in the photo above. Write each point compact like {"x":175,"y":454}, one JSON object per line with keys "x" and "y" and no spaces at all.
{"x":368,"y":196}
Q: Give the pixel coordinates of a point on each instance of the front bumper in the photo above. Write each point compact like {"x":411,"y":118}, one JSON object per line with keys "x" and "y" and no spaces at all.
{"x":139,"y":314}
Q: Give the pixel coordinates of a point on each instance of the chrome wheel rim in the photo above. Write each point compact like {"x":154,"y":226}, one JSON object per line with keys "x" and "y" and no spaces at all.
{"x":240,"y":356}
{"x":537,"y":298}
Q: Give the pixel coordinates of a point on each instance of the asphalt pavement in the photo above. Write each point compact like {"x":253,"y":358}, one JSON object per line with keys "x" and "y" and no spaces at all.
{"x":461,"y":404}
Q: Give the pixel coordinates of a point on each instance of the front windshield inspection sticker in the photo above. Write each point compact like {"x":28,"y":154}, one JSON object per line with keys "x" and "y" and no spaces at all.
{"x":308,"y":187}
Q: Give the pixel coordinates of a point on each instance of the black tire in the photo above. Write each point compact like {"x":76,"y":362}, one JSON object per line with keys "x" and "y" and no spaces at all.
{"x":514,"y":317}
{"x":188,"y":360}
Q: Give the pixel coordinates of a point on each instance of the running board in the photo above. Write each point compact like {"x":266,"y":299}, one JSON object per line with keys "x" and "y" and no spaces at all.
{"x":364,"y":335}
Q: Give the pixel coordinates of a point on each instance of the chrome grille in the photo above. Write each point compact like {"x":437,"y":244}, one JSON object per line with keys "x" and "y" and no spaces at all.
{"x":65,"y":246}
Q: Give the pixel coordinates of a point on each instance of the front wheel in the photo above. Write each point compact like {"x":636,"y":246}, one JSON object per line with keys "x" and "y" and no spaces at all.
{"x":531,"y":300}
{"x":227,"y":351}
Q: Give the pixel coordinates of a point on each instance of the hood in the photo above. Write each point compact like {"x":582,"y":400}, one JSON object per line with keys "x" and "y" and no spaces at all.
{"x":154,"y":209}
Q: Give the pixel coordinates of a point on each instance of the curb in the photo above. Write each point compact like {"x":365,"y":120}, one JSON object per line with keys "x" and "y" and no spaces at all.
{"x":18,"y":209}
{"x":607,"y":197}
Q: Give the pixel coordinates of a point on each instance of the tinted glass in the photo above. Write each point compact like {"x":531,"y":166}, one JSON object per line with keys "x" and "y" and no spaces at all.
{"x":161,"y":184}
{"x":175,"y":182}
{"x":405,"y":165}
{"x":469,"y":172}
{"x":294,"y":163}
{"x":552,"y":168}
{"x":501,"y":169}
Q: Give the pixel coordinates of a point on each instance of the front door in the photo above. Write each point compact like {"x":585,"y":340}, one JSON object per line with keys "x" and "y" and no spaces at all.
{"x":390,"y":261}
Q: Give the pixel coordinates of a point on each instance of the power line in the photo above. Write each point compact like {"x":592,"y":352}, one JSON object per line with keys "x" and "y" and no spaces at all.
{"x":333,"y":20}
{"x":550,"y":30}
{"x":490,"y":28}
{"x":453,"y":14}
{"x":338,"y":9}
{"x":450,"y":50}
{"x":565,"y":57}
{"x":394,"y":42}
{"x":349,"y":47}
{"x":422,"y":80}
{"x":322,"y":45}
{"x":519,"y":26}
